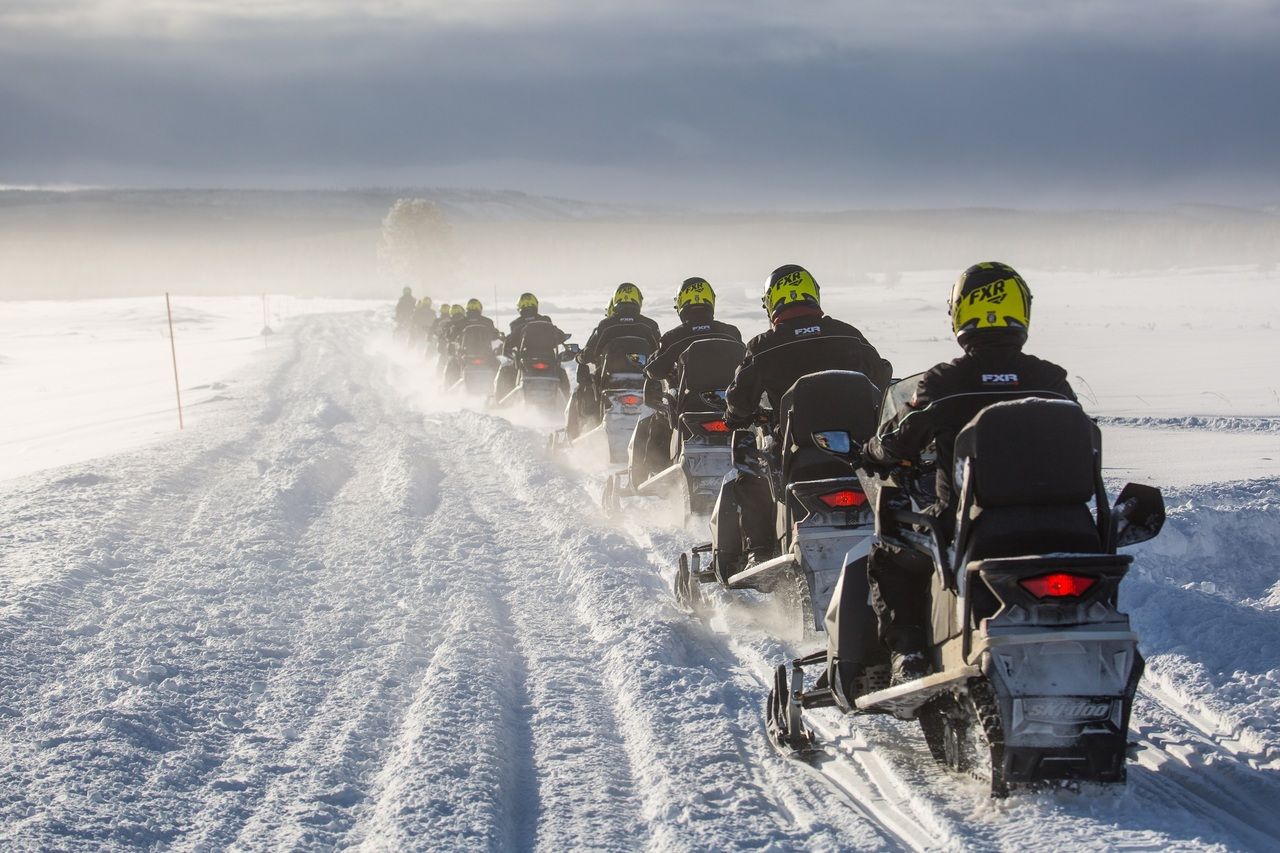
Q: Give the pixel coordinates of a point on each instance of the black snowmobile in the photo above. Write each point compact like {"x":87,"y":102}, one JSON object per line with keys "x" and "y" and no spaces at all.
{"x":539,"y":378}
{"x":694,"y":410}
{"x":822,"y":513}
{"x":1035,"y":667}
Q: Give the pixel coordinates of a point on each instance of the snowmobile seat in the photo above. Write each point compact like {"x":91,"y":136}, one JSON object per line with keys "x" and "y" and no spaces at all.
{"x":1028,"y":470}
{"x":706,"y":365}
{"x":827,"y":400}
{"x":622,"y":362}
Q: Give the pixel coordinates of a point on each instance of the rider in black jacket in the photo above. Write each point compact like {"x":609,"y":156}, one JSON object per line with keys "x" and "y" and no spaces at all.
{"x":624,"y":320}
{"x":802,"y":340}
{"x":695,"y":305}
{"x":990,"y":312}
{"x":527,"y":312}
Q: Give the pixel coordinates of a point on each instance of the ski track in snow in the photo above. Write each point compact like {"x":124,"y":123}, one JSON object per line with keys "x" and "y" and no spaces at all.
{"x":343,"y":614}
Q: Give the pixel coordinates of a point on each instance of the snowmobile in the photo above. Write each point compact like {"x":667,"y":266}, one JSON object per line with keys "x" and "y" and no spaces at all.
{"x":1034,"y":665}
{"x":700,"y":440}
{"x":538,"y":380}
{"x":620,"y":402}
{"x":822,"y":514}
{"x":474,"y":364}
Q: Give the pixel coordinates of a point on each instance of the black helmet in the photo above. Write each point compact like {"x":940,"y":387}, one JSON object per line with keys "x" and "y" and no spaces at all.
{"x":991,"y":303}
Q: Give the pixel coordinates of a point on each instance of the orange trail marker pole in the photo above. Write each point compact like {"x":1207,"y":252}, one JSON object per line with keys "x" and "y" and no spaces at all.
{"x":173,"y":350}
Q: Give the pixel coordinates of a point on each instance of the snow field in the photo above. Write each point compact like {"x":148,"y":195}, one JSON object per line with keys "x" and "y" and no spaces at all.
{"x":343,"y":610}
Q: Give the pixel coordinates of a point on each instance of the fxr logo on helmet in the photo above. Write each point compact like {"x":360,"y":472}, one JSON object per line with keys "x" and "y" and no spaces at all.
{"x":993,"y":293}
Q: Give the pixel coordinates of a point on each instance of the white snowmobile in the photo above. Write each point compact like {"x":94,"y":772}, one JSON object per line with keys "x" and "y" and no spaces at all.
{"x":538,"y":381}
{"x":620,"y":402}
{"x":475,"y":364}
{"x":822,"y":513}
{"x":699,"y":448}
{"x":1034,"y":666}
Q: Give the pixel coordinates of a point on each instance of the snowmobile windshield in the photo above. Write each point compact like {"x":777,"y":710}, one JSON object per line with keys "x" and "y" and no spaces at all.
{"x":540,"y":339}
{"x":897,"y":395}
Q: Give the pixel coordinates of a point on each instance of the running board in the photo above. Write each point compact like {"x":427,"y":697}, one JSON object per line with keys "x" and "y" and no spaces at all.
{"x":903,"y":700}
{"x":739,"y":581}
{"x":658,"y":483}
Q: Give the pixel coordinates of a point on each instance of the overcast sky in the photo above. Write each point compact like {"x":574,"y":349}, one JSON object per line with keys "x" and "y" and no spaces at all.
{"x":786,"y":104}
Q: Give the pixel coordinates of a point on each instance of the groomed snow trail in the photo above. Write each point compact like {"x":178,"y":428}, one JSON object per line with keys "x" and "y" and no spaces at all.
{"x":331,"y":619}
{"x":347,"y":613}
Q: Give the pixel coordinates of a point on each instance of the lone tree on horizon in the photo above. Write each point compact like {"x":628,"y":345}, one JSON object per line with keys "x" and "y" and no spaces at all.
{"x":417,"y":247}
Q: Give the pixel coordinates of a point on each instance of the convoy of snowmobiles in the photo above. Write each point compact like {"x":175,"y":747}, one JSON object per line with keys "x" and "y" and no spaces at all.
{"x":813,"y":472}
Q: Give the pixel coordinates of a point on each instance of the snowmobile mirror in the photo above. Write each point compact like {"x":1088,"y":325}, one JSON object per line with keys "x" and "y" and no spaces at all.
{"x":837,"y":442}
{"x":1138,"y":514}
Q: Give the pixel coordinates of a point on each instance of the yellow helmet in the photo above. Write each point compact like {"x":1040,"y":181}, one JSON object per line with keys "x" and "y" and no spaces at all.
{"x":445,"y":309}
{"x":695,"y":291}
{"x":456,"y":311}
{"x":990,"y":300}
{"x":526,"y":302}
{"x":626,"y":294}
{"x":474,"y":305}
{"x":788,"y":286}
{"x":424,"y":302}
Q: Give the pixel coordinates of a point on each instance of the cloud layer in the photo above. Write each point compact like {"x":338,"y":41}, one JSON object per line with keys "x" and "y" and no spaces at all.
{"x":761,"y":104}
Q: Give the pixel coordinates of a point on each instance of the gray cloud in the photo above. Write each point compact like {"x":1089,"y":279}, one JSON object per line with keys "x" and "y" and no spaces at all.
{"x":734,"y":103}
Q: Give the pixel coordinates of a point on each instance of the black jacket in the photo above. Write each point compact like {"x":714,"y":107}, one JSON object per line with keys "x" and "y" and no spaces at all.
{"x":516,"y":335}
{"x":803,"y":342}
{"x":949,"y":396}
{"x":675,"y":342}
{"x":626,"y":325}
{"x":404,"y":308}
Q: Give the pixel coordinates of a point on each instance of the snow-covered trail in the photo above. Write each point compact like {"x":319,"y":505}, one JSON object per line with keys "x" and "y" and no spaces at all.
{"x":345,"y":613}
{"x":328,"y":618}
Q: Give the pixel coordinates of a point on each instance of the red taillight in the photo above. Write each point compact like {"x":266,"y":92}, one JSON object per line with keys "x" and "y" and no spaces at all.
{"x":1057,"y":585}
{"x":630,"y":400}
{"x":539,"y":365}
{"x":843,"y":498}
{"x":715,"y":426}
{"x":477,"y":361}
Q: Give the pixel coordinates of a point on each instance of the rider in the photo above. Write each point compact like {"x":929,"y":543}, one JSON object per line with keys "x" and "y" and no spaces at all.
{"x":424,"y":320}
{"x":801,"y":340}
{"x":404,"y":308}
{"x":624,"y":320}
{"x":457,"y":314}
{"x":527,"y":312}
{"x":990,"y":308}
{"x":471,"y":317}
{"x":695,"y":305}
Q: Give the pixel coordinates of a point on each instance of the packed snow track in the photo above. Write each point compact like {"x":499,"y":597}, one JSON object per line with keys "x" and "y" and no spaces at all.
{"x":345,"y":612}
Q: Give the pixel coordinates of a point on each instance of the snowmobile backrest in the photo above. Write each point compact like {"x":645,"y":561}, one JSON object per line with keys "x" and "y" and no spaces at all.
{"x":1027,"y":471}
{"x":817,"y":402}
{"x":477,"y":339}
{"x":1030,"y":452}
{"x":624,"y":356}
{"x":540,"y":338}
{"x":706,"y":365}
